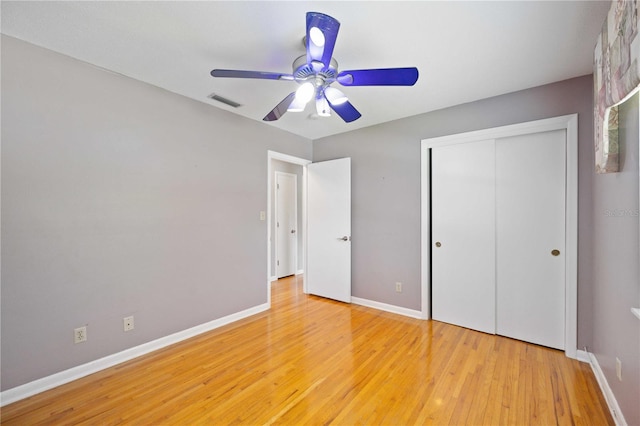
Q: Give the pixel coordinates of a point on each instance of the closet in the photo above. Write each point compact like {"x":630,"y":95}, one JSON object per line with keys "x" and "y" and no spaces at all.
{"x":498,"y":228}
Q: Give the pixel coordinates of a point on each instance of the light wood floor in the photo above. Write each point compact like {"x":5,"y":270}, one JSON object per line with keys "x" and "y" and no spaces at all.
{"x":315,"y":361}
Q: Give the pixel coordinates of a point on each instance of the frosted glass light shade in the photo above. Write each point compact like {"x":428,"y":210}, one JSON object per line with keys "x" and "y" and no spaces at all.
{"x":317,"y":37}
{"x":305,"y":92}
{"x":335,"y":96}
{"x":296,"y":105}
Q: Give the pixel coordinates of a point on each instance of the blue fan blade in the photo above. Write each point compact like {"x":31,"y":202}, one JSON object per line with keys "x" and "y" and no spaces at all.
{"x":379,"y":77}
{"x":329,"y":28}
{"x":280,"y":109}
{"x":251,"y":74}
{"x":346,"y":111}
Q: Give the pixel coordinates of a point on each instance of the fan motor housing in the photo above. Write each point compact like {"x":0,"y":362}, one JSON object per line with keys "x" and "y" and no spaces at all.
{"x":303,"y":71}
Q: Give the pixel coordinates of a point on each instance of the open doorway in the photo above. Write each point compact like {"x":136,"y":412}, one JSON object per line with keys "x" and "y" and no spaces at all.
{"x":285,"y":249}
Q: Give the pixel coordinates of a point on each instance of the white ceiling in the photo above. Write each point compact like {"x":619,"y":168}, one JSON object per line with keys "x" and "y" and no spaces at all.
{"x":464,"y":51}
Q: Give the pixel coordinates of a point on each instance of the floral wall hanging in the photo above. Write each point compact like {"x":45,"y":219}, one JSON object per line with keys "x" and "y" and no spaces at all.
{"x":616,"y":77}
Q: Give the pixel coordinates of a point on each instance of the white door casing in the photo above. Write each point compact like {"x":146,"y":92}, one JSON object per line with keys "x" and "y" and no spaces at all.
{"x":463,"y":243}
{"x":286,"y":224}
{"x":328,"y":266}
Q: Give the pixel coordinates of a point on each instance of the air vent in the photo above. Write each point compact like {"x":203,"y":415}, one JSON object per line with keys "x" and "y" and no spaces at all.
{"x":224,"y":100}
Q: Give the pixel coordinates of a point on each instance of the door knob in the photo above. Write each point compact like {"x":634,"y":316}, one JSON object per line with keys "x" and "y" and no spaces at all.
{"x":345,"y":238}
{"x":555,"y":252}
{"x":293,"y":231}
{"x":438,"y":244}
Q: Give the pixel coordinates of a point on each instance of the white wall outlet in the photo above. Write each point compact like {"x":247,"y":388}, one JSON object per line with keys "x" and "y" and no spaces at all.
{"x":398,"y":287}
{"x":619,"y":369}
{"x":80,"y":334}
{"x":263,"y":215}
{"x":128,"y":323}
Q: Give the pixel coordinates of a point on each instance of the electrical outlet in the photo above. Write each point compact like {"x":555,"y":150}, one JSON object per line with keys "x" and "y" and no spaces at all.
{"x":263,"y":215}
{"x":128,"y":323}
{"x":619,"y":369}
{"x":398,"y":287}
{"x":80,"y":334}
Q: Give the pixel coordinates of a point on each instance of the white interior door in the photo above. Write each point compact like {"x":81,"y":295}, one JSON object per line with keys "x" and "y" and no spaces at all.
{"x":328,"y":267}
{"x":463,"y":234}
{"x":286,"y":224}
{"x":530,"y":207}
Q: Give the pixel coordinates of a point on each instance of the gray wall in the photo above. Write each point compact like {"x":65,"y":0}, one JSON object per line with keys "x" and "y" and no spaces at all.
{"x":119,"y":198}
{"x":385,"y":163}
{"x":294,"y":169}
{"x":616,"y":332}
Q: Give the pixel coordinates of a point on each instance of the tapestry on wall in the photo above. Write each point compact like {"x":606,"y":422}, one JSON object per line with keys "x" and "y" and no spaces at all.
{"x":616,"y":77}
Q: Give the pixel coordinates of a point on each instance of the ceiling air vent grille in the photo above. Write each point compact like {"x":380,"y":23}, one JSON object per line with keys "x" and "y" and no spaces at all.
{"x":224,"y":100}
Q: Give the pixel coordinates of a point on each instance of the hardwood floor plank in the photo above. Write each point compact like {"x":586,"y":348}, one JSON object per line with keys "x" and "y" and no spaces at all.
{"x":315,"y":361}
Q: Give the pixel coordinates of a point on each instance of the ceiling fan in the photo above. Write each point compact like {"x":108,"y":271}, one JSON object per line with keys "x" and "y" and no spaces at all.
{"x":317,"y":70}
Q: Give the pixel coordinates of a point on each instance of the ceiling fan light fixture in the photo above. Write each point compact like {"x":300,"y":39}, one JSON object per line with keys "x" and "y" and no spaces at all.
{"x":335,"y":96}
{"x":322,"y":107}
{"x":317,"y":37}
{"x":316,"y":70}
{"x":305,"y":92}
{"x":296,"y":105}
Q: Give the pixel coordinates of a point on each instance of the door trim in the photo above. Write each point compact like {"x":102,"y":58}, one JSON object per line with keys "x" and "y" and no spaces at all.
{"x":295,"y":203}
{"x":273,"y":155}
{"x":566,"y":122}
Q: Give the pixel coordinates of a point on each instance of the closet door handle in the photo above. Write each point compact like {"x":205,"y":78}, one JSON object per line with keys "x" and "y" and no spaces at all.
{"x":438,"y":244}
{"x":555,"y":252}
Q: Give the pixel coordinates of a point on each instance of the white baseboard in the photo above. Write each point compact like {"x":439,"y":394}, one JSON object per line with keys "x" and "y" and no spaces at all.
{"x":583,"y":356}
{"x":57,"y":379}
{"x":300,"y":272}
{"x":272,"y":279}
{"x":614,"y":408}
{"x":386,"y":307}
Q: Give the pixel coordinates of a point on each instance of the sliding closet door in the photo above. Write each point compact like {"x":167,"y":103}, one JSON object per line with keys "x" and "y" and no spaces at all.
{"x":463,"y":235}
{"x":530,"y":238}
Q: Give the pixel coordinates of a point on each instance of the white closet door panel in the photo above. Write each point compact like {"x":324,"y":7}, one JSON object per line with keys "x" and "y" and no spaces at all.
{"x":530,"y":208}
{"x":463,"y":223}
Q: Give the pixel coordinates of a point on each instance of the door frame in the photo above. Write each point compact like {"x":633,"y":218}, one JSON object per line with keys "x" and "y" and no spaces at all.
{"x":273,"y":155}
{"x":566,"y":122}
{"x":295,"y":213}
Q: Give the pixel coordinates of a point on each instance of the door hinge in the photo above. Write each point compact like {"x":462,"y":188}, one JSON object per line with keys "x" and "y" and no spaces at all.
{"x":278,"y":263}
{"x":277,"y":186}
{"x":277,"y":224}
